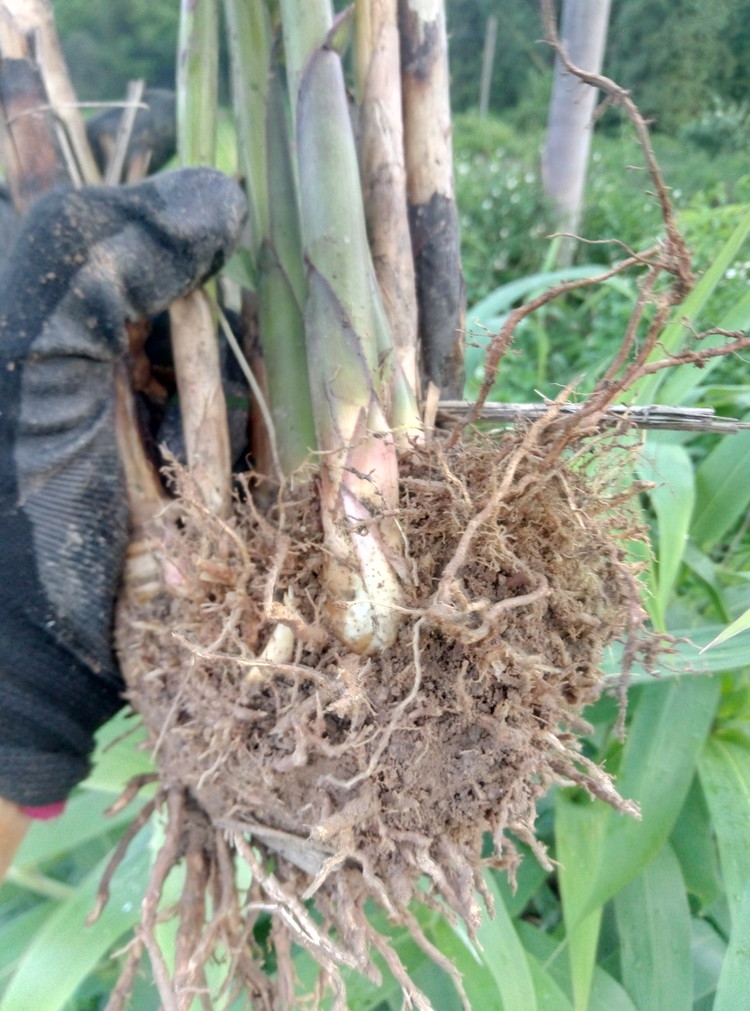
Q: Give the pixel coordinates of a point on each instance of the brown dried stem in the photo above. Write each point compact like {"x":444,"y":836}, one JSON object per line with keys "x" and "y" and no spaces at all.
{"x":502,"y":340}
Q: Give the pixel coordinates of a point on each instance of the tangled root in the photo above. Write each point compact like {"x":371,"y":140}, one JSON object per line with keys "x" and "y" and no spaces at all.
{"x":357,"y":777}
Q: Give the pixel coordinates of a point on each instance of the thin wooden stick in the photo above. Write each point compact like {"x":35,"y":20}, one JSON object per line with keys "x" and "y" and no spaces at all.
{"x":113,"y":173}
{"x":651,"y":416}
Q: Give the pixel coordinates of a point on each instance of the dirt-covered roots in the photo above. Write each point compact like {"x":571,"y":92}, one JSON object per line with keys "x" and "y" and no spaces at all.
{"x":363,"y":775}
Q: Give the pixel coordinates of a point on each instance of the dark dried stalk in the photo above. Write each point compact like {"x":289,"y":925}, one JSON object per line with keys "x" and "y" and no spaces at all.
{"x":433,"y":215}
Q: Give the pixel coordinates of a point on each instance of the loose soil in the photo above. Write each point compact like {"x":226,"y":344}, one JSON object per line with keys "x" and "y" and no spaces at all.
{"x":356,"y":778}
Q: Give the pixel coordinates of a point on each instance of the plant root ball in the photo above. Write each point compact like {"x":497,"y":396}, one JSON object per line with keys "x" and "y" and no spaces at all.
{"x":361,"y":774}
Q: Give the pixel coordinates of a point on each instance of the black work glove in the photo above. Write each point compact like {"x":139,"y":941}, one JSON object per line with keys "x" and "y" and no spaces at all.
{"x":84,"y":263}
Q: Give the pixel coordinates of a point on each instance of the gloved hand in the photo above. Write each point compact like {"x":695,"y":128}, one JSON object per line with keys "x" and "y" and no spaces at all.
{"x":85,"y":262}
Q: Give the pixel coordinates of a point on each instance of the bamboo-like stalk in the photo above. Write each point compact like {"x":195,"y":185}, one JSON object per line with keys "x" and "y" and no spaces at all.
{"x":345,"y":341}
{"x":193,"y":322}
{"x":250,"y":43}
{"x":275,"y":240}
{"x":381,"y":158}
{"x":432,"y":206}
{"x":197,"y":82}
{"x":281,"y":291}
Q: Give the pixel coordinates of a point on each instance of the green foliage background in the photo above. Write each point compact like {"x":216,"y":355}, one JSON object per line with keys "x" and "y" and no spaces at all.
{"x":680,"y":57}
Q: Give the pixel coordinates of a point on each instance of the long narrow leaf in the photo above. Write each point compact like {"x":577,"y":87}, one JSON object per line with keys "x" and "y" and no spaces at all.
{"x":653,"y":920}
{"x":578,"y":839}
{"x":694,"y":844}
{"x":549,"y":996}
{"x":504,"y":956}
{"x":479,"y":982}
{"x":83,"y":820}
{"x":685,"y":657}
{"x":725,"y":776}
{"x":734,"y":981}
{"x":281,"y":295}
{"x":709,"y":951}
{"x":16,"y":932}
{"x":606,"y":993}
{"x":668,"y":465}
{"x":666,"y":737}
{"x":249,"y":42}
{"x":722,"y":490}
{"x":741,"y":624}
{"x":609,"y":995}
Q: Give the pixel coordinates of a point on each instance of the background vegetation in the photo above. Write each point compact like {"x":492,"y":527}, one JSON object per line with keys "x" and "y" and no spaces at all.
{"x":638,"y":915}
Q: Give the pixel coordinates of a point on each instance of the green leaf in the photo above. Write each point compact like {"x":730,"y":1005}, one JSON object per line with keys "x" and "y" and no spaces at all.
{"x":709,"y":572}
{"x":529,"y":878}
{"x":487,"y":316}
{"x":578,"y":839}
{"x":550,"y":952}
{"x":667,"y":733}
{"x":504,"y":955}
{"x":503,"y":298}
{"x":685,"y":657}
{"x":709,"y":951}
{"x":668,"y":465}
{"x":63,"y":952}
{"x":741,"y":624}
{"x":17,"y":934}
{"x":479,"y":983}
{"x":608,"y":995}
{"x":725,"y":776}
{"x":722,"y":489}
{"x":734,"y":981}
{"x":549,"y":996}
{"x":653,"y":919}
{"x":674,"y":389}
{"x":694,"y":845}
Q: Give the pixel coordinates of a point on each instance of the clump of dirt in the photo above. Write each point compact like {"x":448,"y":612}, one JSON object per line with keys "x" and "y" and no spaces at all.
{"x":360,"y":775}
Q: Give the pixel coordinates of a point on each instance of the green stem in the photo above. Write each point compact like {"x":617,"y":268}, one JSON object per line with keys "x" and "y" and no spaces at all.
{"x":197,"y":82}
{"x":347,"y":342}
